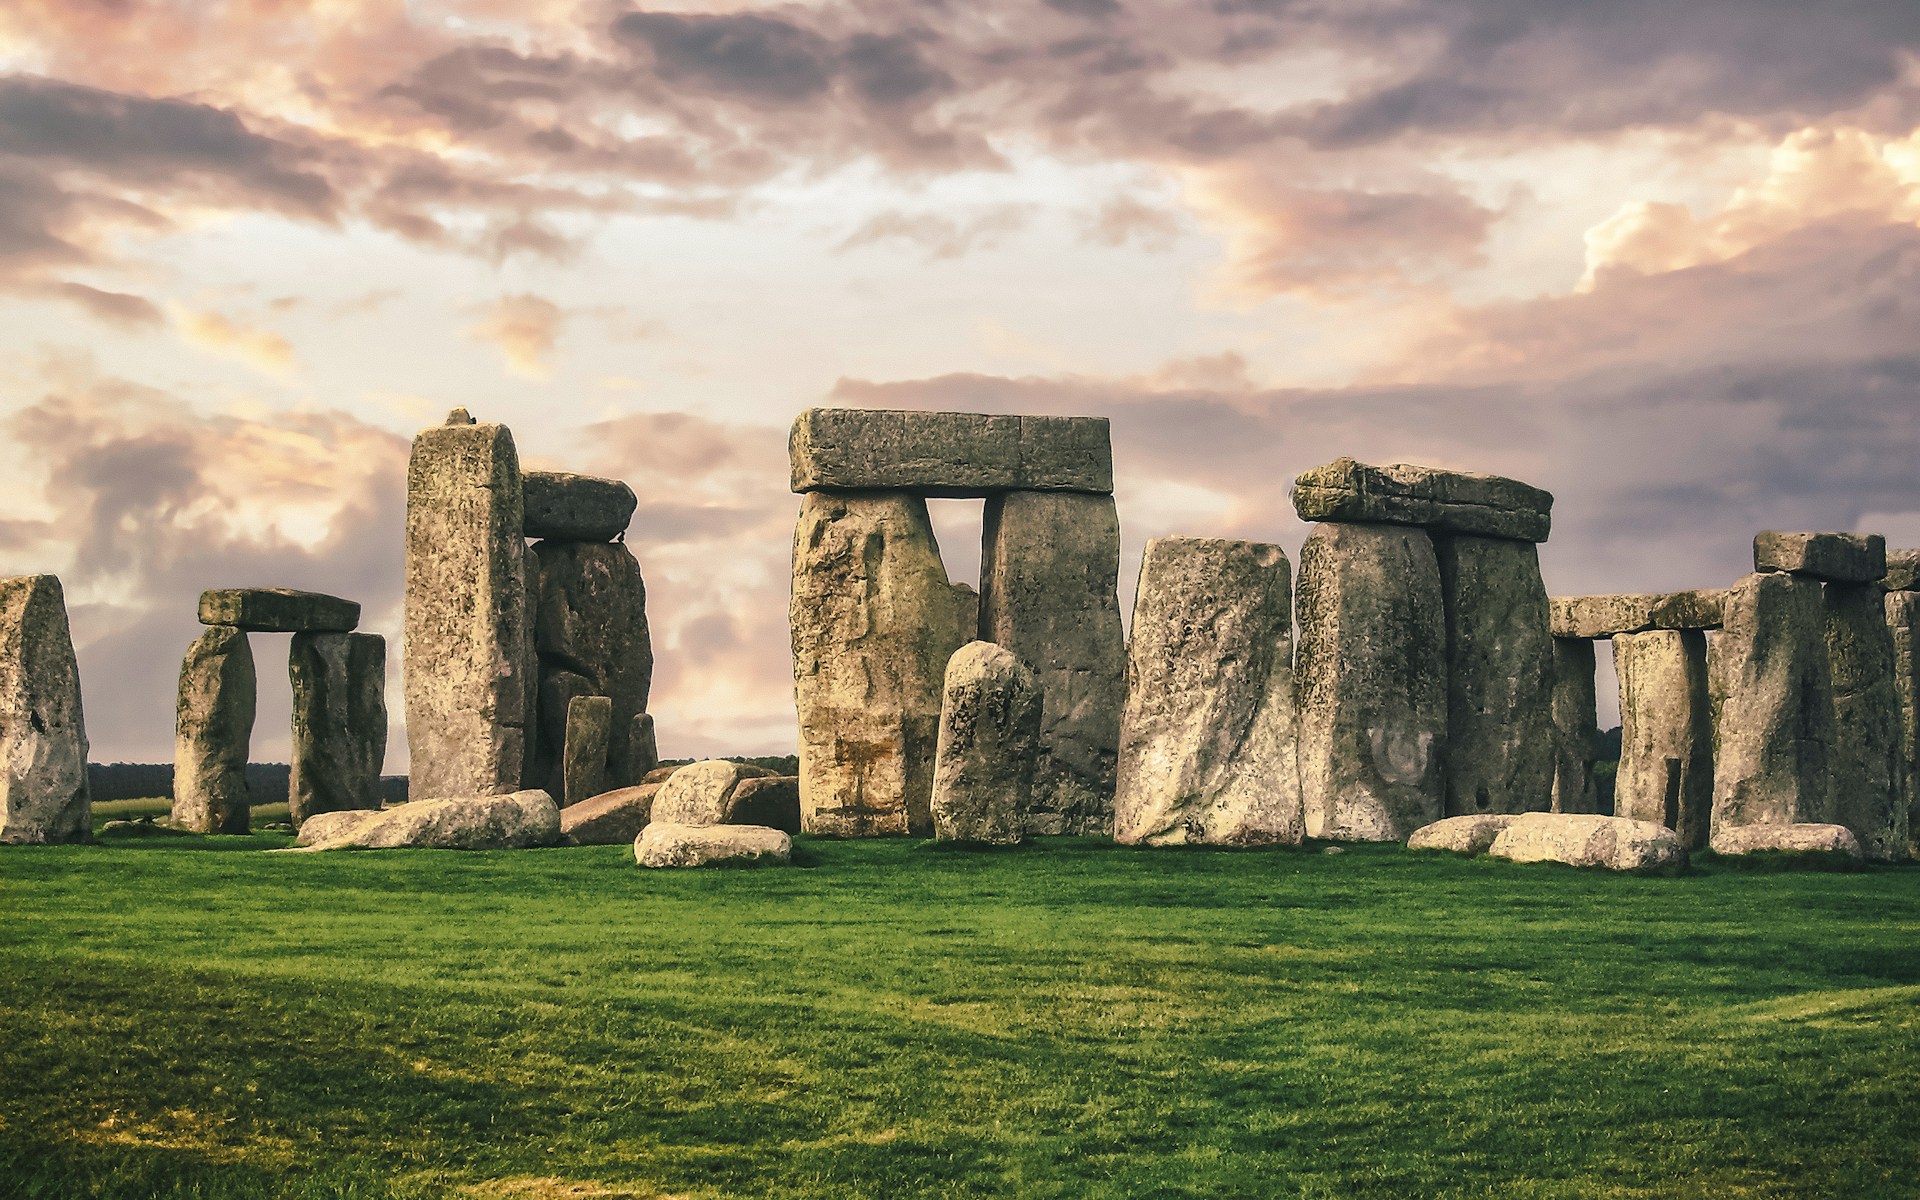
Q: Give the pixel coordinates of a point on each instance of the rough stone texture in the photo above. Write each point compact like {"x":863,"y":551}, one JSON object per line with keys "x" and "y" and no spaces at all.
{"x":1869,"y":771}
{"x":1585,"y":840}
{"x":988,"y":748}
{"x":1790,"y":839}
{"x":1576,"y":727}
{"x":278,"y":610}
{"x":1666,"y":732}
{"x":1903,"y":571}
{"x":664,"y":845}
{"x":43,"y":733}
{"x":584,"y":763}
{"x":1207,"y":750}
{"x":948,"y":454}
{"x":1500,"y":749}
{"x":873,"y":625}
{"x":772,"y":800}
{"x":1049,"y":576}
{"x":1773,"y":716}
{"x":339,"y":721}
{"x":576,"y":508}
{"x":660,"y":774}
{"x":1471,"y":834}
{"x":1832,"y":557}
{"x":705,"y":793}
{"x":643,"y":753}
{"x":1606,"y":616}
{"x":509,"y":822}
{"x":590,"y":631}
{"x":966,"y":612}
{"x":213,"y":725}
{"x":1372,"y":673}
{"x":1903,"y":620}
{"x":1402,"y":494}
{"x":469,"y":645}
{"x":610,"y":819}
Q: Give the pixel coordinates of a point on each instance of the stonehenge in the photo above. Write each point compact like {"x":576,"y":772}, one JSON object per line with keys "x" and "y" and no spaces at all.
{"x":1869,"y":768}
{"x":988,"y":748}
{"x":213,"y":726}
{"x":339,"y":722}
{"x":1500,"y":750}
{"x":1576,"y":726}
{"x":1665,"y":774}
{"x":43,"y":733}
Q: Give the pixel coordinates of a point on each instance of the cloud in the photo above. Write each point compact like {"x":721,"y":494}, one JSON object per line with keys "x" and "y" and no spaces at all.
{"x":525,"y":328}
{"x":260,"y":349}
{"x":941,"y":237}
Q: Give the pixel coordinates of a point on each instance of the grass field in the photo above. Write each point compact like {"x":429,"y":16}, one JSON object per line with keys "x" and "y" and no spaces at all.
{"x":182,"y":1017}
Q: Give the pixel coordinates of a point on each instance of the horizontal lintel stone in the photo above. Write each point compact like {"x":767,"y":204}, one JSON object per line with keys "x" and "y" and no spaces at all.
{"x":1903,"y":571}
{"x":278,"y":610}
{"x":1595,"y":617}
{"x":948,"y":454}
{"x":1445,"y":501}
{"x":1832,"y":557}
{"x":576,"y":508}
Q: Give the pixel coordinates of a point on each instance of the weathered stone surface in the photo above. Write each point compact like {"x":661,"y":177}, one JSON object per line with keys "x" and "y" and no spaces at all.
{"x":873,"y":624}
{"x":213,"y":725}
{"x":1773,"y":714}
{"x":1607,"y":616}
{"x":43,"y":732}
{"x":1585,"y":840}
{"x":1833,"y":557}
{"x":989,"y":745}
{"x":1049,"y":576}
{"x":469,"y":646}
{"x":661,"y":774}
{"x":278,"y":610}
{"x":559,"y":688}
{"x":966,"y":612}
{"x":576,"y":508}
{"x":665,"y":845}
{"x":1207,"y":751}
{"x":502,"y":822}
{"x":1500,"y":749}
{"x":643,"y":752}
{"x":1903,"y":571}
{"x":1471,"y":834}
{"x":1576,"y":726}
{"x":1666,"y":732}
{"x":772,"y":800}
{"x":1402,"y":494}
{"x":1790,"y":839}
{"x":339,"y":721}
{"x":948,"y":454}
{"x":584,"y":764}
{"x":610,"y":819}
{"x":590,"y":623}
{"x":1869,"y":774}
{"x":1903,"y":620}
{"x":705,"y":793}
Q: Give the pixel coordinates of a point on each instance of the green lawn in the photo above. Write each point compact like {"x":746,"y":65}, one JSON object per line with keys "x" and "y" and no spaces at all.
{"x":182,"y":1017}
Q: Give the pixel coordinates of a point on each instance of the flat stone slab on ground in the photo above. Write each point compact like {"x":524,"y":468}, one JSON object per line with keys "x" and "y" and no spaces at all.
{"x":1805,"y":838}
{"x":948,"y":454}
{"x":1471,"y":834}
{"x":1832,"y":557}
{"x":610,"y":819}
{"x":510,"y":822}
{"x":666,"y":845}
{"x":1595,"y":617}
{"x":1404,"y":494}
{"x":576,"y":508}
{"x":278,"y":610}
{"x":706,"y":793}
{"x":1586,"y":840}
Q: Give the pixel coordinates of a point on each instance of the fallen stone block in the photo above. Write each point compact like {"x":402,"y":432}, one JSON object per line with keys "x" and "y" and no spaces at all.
{"x":1471,"y":834}
{"x":511,"y":822}
{"x":704,"y":793}
{"x":610,"y":819}
{"x":1830,"y":557}
{"x":1608,"y":616}
{"x":948,"y":454}
{"x":1402,"y":494}
{"x":706,"y":845}
{"x":662,"y":774}
{"x":988,"y":749}
{"x":1804,"y":838}
{"x":771,"y":800}
{"x":1586,"y":840}
{"x":43,"y":732}
{"x":576,"y":508}
{"x":278,"y":610}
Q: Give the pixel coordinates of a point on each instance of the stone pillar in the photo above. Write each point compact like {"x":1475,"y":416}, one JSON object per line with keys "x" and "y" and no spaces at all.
{"x":213,"y":726}
{"x":1576,"y":726}
{"x":1373,"y":681}
{"x":1903,"y":621}
{"x":590,"y":625}
{"x":1773,"y":716}
{"x":1666,"y":732}
{"x":1207,"y":741}
{"x":339,"y":722}
{"x":469,"y":653}
{"x":643,"y":752}
{"x":989,"y":746}
{"x":1049,"y":575}
{"x":43,"y":733}
{"x":873,"y":626}
{"x":584,"y":765}
{"x":1500,"y":745}
{"x":1868,"y":764}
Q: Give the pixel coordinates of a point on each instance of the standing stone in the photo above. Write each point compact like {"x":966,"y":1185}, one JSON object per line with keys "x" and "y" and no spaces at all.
{"x":1576,"y":726}
{"x":589,"y":727}
{"x":1373,"y":682}
{"x":1666,"y":732}
{"x":213,"y":725}
{"x":339,"y":722}
{"x":1869,"y":786}
{"x":643,"y":752}
{"x":873,"y":626}
{"x":1903,"y":619}
{"x":1833,"y":557}
{"x":966,"y":606}
{"x":1500,"y":747}
{"x":1049,"y":576}
{"x":469,"y":649}
{"x":989,"y":745}
{"x":43,"y":734}
{"x":1207,"y":739}
{"x":590,"y":626}
{"x":1773,"y":719}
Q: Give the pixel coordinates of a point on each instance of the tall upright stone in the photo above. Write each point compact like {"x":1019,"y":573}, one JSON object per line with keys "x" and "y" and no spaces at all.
{"x":212,"y":728}
{"x":1666,"y":732}
{"x":1869,"y":784}
{"x":1500,"y":744}
{"x":1576,"y":726}
{"x":1049,"y":575}
{"x":873,"y":622}
{"x":43,"y":733}
{"x":1773,"y":715}
{"x":1372,"y":673}
{"x":339,"y":722}
{"x":643,"y":752}
{"x":1903,"y":621}
{"x":583,"y":773}
{"x":988,"y":747}
{"x":592,"y":639}
{"x":1207,"y":749}
{"x":469,"y":649}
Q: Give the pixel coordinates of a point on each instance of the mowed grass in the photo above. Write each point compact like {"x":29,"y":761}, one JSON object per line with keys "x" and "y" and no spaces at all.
{"x":185,"y":1017}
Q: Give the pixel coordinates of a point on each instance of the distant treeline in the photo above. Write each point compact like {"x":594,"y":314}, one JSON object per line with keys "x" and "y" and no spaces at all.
{"x":266,"y":782}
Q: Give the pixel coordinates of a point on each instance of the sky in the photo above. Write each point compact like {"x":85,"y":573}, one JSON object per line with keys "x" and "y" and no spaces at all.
{"x":1662,"y":260}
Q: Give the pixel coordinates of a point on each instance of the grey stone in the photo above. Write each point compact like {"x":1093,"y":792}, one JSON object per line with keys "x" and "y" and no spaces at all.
{"x":1576,"y":727}
{"x":1049,"y":576}
{"x":1500,"y":748}
{"x":576,"y":508}
{"x":590,"y":622}
{"x":772,"y":800}
{"x":1786,"y":839}
{"x":988,"y":749}
{"x":873,"y":625}
{"x":1585,"y":840}
{"x":610,"y":819}
{"x":500,"y":822}
{"x":1607,"y":616}
{"x":948,"y":454}
{"x":643,"y":752}
{"x":584,"y":763}
{"x":1903,"y":571}
{"x":43,"y":732}
{"x":213,"y":726}
{"x":1903,"y":620}
{"x":1207,"y":741}
{"x":705,"y":793}
{"x":1402,"y":494}
{"x":661,"y":774}
{"x":1773,"y":716}
{"x":666,"y":845}
{"x":339,"y":721}
{"x":1831,"y":557}
{"x":469,"y":646}
{"x":1372,"y":673}
{"x":278,"y":610}
{"x":1474,"y":833}
{"x":966,"y":611}
{"x":1666,"y":732}
{"x":1869,"y":771}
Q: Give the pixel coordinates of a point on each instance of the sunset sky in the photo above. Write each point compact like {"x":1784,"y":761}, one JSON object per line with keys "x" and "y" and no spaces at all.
{"x":1661,"y":259}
